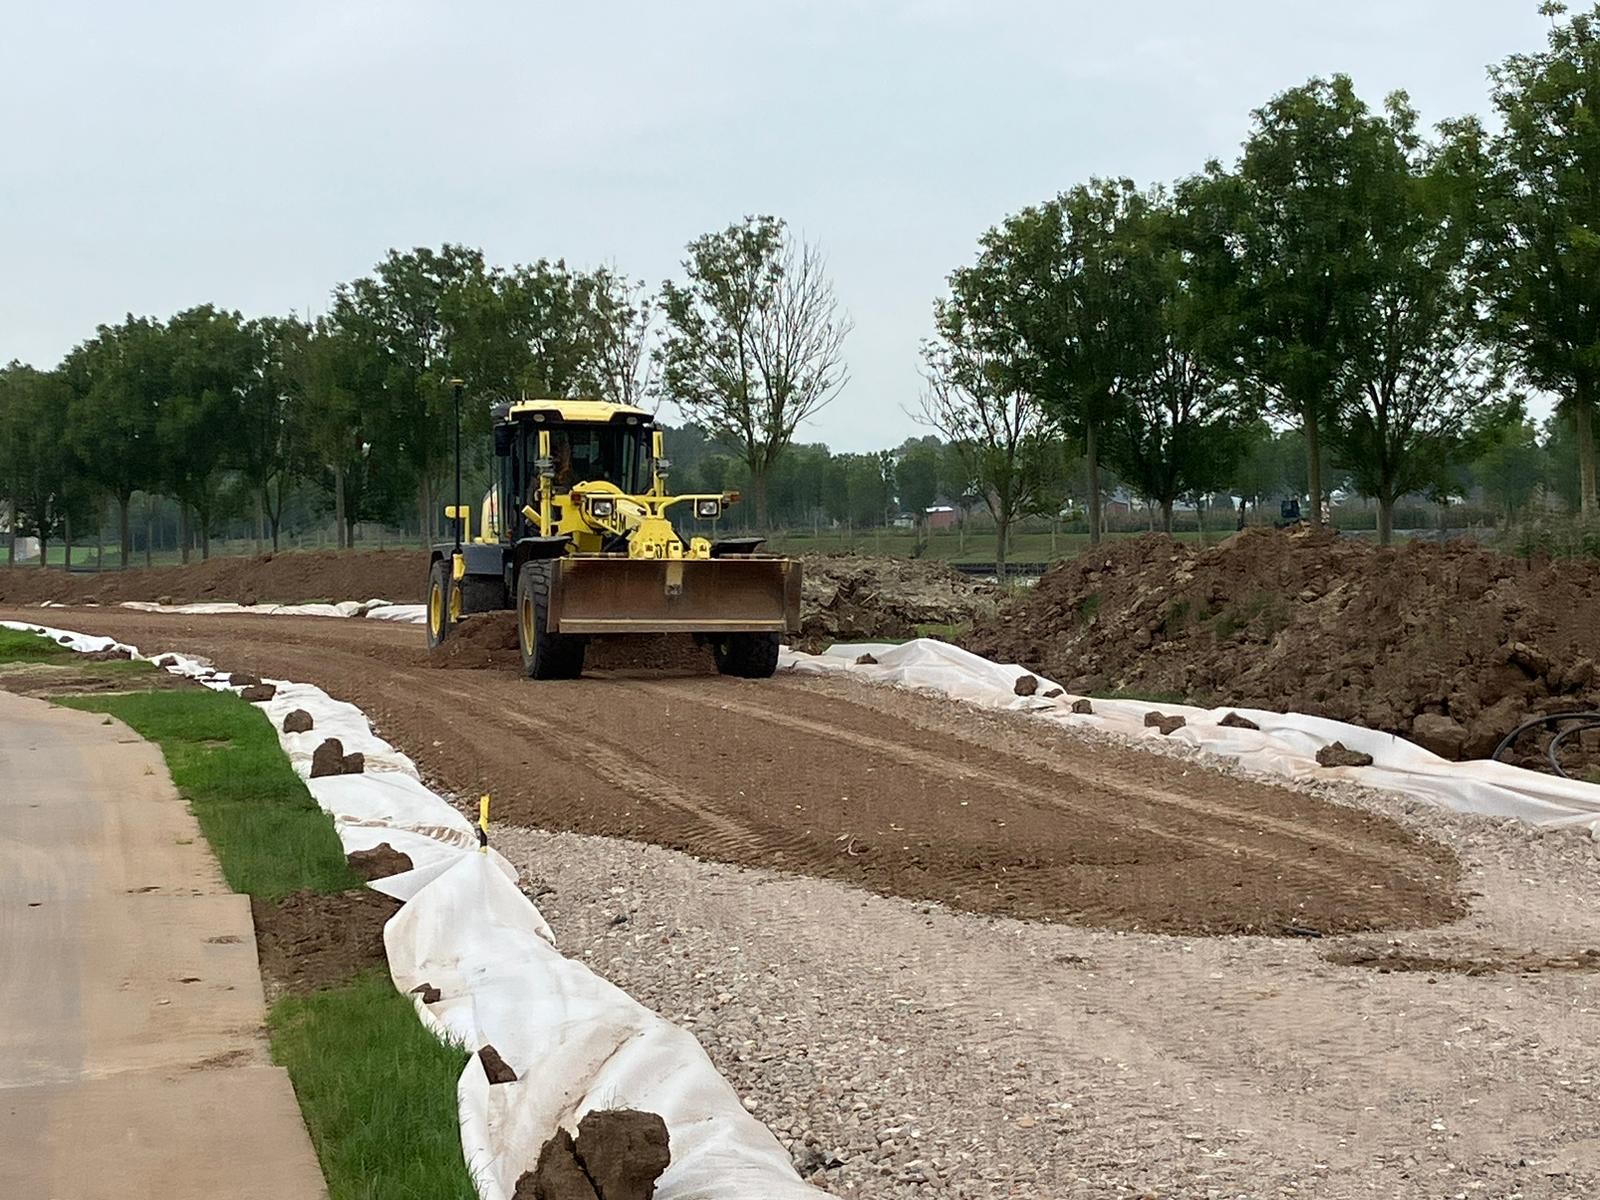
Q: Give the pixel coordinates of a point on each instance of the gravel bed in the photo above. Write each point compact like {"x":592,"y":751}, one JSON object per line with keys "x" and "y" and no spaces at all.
{"x":901,"y":1049}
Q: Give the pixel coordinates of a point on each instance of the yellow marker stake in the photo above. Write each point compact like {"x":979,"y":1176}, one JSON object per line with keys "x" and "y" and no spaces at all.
{"x":483,"y":823}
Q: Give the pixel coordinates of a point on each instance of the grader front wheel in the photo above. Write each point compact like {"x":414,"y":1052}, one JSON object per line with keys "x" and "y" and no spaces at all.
{"x":545,"y":655}
{"x":746,"y":655}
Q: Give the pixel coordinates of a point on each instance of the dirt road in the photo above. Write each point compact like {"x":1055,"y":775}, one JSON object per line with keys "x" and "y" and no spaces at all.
{"x":868,"y":786}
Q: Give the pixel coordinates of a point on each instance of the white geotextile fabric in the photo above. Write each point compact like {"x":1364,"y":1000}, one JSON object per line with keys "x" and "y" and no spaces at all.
{"x":380,"y":609}
{"x":576,"y":1042}
{"x":1286,"y":744}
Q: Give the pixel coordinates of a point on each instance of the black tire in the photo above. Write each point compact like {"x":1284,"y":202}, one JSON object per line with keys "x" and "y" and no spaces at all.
{"x":438,"y":603}
{"x":746,"y":655}
{"x":545,"y":655}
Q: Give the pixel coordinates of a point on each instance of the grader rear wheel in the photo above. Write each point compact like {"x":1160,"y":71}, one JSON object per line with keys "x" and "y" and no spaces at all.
{"x":438,"y":603}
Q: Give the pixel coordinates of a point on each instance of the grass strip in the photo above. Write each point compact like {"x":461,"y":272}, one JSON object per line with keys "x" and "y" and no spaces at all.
{"x":266,"y":830}
{"x":377,"y":1090}
{"x":17,"y":645}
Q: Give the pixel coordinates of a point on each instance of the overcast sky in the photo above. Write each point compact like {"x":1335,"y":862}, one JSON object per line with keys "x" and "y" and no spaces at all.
{"x":162,"y":155}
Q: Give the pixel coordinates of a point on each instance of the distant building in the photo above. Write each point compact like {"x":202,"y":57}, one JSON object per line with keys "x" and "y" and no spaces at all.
{"x":940,"y":516}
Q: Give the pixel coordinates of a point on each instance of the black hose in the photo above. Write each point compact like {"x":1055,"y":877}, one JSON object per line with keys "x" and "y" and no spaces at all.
{"x":1585,"y":720}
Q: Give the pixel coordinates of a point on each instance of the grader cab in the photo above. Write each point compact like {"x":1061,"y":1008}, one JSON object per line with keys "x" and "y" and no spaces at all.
{"x":577,"y":536}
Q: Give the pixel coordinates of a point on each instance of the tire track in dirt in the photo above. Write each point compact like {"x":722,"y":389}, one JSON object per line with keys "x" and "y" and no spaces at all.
{"x":1165,"y":809}
{"x":908,"y":798}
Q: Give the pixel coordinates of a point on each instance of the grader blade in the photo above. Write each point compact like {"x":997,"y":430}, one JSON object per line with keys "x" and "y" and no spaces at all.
{"x":592,"y":595}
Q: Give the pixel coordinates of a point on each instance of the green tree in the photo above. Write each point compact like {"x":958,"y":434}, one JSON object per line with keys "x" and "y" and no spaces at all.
{"x":919,"y":479}
{"x":46,"y":491}
{"x":403,"y":315}
{"x":199,"y":420}
{"x":1543,"y":273}
{"x":118,"y":380}
{"x":754,"y":341}
{"x":1511,"y":467}
{"x":998,"y":433}
{"x":271,"y":416}
{"x":1062,"y":298}
{"x":1298,"y":210}
{"x":1417,"y":379}
{"x":1180,"y":431}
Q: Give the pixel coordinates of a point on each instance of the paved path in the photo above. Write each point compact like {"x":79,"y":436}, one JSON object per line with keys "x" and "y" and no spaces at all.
{"x":133,"y":1061}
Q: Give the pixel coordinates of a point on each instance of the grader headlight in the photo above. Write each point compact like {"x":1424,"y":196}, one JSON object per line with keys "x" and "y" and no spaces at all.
{"x":708,"y":509}
{"x":602,"y":507}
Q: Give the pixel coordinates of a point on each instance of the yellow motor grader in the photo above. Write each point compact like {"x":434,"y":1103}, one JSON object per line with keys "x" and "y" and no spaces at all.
{"x":575,"y":536}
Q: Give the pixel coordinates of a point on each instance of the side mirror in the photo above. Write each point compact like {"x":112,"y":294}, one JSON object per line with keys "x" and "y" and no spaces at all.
{"x":503,"y":435}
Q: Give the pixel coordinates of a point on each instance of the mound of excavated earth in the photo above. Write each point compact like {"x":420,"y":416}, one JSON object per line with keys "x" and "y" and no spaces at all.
{"x":290,"y":577}
{"x":1449,"y":645}
{"x":851,"y":598}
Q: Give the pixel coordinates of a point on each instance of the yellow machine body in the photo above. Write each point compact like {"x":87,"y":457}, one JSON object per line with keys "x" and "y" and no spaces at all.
{"x":616,"y":562}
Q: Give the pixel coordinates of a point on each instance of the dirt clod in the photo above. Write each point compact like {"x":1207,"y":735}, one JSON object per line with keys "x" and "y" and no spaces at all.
{"x":1234,"y":721}
{"x":495,"y":1067}
{"x":866,"y":660}
{"x":1026,"y":685}
{"x":258,"y":693}
{"x":1164,"y":723}
{"x":1082,"y":706}
{"x":243,"y":679}
{"x":328,"y":759}
{"x":558,"y":1175}
{"x":354,"y":763}
{"x":310,"y":940}
{"x":624,"y":1152}
{"x":380,"y":862}
{"x":1337,"y":754}
{"x":299,"y":721}
{"x":428,"y":993}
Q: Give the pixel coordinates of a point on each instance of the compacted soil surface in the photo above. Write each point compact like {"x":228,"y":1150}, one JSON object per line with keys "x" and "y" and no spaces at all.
{"x":872,"y":787}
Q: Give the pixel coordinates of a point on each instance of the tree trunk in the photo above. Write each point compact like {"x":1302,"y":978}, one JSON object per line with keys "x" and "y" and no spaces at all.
{"x":1166,"y":517}
{"x":338,"y":503}
{"x":66,"y":543}
{"x":44,"y":546}
{"x":1002,"y":534}
{"x":1200,"y":518}
{"x":1385,"y":521}
{"x":425,"y":508}
{"x":758,"y":485}
{"x":205,"y":531}
{"x":183,"y":533}
{"x":1313,"y":463}
{"x":1583,"y":426}
{"x":11,"y":538}
{"x":124,"y":529}
{"x":1091,"y":454}
{"x":149,"y":530}
{"x":261,"y":518}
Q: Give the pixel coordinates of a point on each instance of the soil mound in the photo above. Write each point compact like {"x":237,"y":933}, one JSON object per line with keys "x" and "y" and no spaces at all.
{"x":311,"y":940}
{"x":850,"y":597}
{"x":1452,"y":645}
{"x":289,"y":577}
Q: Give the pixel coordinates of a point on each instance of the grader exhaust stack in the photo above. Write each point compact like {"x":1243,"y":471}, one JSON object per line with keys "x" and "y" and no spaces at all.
{"x":578,"y":536}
